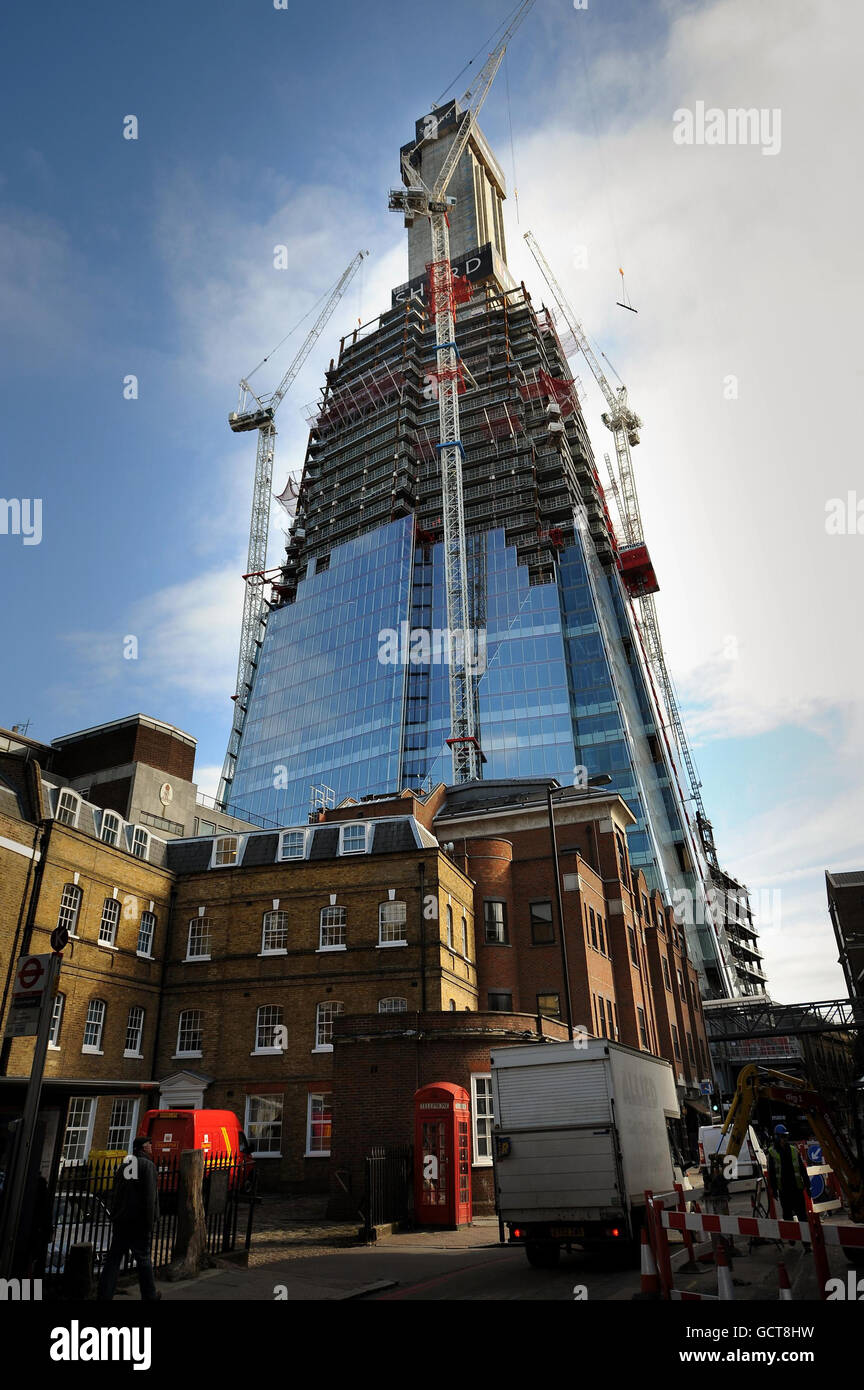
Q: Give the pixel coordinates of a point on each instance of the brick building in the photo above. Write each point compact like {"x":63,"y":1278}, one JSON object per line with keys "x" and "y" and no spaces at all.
{"x":312,"y":978}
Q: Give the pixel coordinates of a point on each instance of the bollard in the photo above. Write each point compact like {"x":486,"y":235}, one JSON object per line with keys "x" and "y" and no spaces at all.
{"x":78,"y":1272}
{"x":724,"y":1278}
{"x":820,"y":1255}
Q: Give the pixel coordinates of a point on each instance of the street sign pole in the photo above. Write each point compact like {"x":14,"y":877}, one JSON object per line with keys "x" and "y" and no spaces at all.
{"x":14,"y":1188}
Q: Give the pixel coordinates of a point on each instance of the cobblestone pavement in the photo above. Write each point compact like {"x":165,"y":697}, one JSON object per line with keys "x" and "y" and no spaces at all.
{"x":294,"y":1228}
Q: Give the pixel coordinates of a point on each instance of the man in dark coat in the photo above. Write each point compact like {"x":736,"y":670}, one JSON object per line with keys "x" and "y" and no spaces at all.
{"x":134,"y":1212}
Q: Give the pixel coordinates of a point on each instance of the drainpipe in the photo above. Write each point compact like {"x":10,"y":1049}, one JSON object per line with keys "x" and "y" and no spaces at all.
{"x":21,"y":942}
{"x":421,"y":871}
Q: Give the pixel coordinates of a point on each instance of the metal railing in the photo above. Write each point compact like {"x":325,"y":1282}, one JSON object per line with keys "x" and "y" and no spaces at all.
{"x":389,"y":1186}
{"x":81,"y":1212}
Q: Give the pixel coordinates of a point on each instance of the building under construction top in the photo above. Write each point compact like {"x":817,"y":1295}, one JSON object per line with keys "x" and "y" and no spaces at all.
{"x":350,"y":689}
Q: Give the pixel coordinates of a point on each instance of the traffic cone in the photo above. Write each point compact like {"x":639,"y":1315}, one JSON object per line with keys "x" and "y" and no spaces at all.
{"x":724,"y":1278}
{"x":785,"y":1286}
{"x":650,"y":1281}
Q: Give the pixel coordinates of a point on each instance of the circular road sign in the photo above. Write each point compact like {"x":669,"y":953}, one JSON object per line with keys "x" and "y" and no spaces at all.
{"x":59,"y":939}
{"x":30,"y":973}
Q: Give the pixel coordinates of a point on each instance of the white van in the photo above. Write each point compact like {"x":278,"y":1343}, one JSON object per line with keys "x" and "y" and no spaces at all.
{"x":751,"y":1160}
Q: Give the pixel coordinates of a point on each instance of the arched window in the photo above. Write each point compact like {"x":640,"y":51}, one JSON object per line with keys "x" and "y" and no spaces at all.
{"x":392,"y":1006}
{"x":94,"y":1026}
{"x":324,"y":1016}
{"x":134,"y":1031}
{"x":225,"y":851}
{"x":465,"y":937}
{"x":450,"y":926}
{"x":332,"y":928}
{"x":68,"y":807}
{"x":109,"y":830}
{"x":200,"y":935}
{"x":140,"y":841}
{"x":110,"y":921}
{"x":70,"y":906}
{"x":146,"y":932}
{"x":392,"y":917}
{"x":269,"y":1032}
{"x":274,"y":934}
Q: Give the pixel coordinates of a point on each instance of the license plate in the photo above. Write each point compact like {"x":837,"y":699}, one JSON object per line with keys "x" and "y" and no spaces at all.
{"x":561,"y":1231}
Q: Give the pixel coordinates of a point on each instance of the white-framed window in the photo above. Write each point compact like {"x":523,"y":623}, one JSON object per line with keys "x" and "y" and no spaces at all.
{"x":79,"y":1129}
{"x":319,"y":1125}
{"x":292,"y":844}
{"x":450,"y":926}
{"x":332,"y":928}
{"x":110,"y":827}
{"x":274,"y":933}
{"x":353,"y":838}
{"x":268,"y":1028}
{"x":495,"y":919}
{"x":482,"y":1118}
{"x":225,"y":851}
{"x":134,"y":1032}
{"x":324,"y":1015}
{"x":68,"y":807}
{"x":465,"y":937}
{"x":190,"y":1033}
{"x":56,"y":1019}
{"x":110,"y":922}
{"x":263,"y":1127}
{"x":146,"y":932}
{"x":392,"y":917}
{"x":140,"y":841}
{"x":199,"y":939}
{"x":70,"y":906}
{"x":94,"y":1026}
{"x":392,"y":1005}
{"x":122,"y":1124}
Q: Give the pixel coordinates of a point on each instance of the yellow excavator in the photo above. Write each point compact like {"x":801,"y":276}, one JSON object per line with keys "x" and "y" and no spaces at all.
{"x":756,"y":1083}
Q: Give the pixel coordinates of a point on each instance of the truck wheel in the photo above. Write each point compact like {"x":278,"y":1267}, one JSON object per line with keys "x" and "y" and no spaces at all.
{"x":542,"y":1254}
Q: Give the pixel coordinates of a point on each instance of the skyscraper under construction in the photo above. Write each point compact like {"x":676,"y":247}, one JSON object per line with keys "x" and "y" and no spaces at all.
{"x":350,"y":688}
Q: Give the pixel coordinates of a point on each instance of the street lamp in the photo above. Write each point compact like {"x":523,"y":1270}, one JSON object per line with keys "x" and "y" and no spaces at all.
{"x":602,"y":779}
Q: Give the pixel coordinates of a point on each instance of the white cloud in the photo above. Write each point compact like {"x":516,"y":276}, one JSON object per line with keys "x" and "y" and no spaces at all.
{"x":739,"y":264}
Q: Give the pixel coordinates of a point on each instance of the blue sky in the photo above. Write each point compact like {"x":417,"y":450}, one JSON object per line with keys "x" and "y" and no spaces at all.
{"x":260,"y":127}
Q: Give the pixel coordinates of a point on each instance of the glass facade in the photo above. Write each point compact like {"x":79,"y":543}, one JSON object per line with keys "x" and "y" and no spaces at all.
{"x":324,"y":709}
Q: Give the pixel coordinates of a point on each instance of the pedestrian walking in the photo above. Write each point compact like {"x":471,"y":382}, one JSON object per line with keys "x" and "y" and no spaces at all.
{"x":134,"y":1208}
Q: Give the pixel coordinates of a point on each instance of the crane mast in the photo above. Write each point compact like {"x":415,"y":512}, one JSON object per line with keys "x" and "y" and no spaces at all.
{"x":624,"y":425}
{"x":258,"y":413}
{"x":417,"y":200}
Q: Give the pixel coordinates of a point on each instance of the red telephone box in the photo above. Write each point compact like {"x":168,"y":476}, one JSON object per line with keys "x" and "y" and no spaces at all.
{"x":442,"y":1155}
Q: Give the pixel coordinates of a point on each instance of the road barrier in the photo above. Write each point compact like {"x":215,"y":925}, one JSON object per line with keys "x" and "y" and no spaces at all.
{"x":661,"y":1220}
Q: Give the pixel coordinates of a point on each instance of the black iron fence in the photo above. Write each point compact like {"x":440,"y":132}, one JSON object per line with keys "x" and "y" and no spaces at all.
{"x":389,"y":1186}
{"x":81,"y":1212}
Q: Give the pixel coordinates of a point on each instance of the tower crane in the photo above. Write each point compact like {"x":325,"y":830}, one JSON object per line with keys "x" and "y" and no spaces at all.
{"x":637,"y":572}
{"x":416,"y":199}
{"x":258,"y":413}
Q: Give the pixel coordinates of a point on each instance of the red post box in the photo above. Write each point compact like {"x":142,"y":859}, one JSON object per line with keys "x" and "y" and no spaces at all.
{"x":442,"y":1155}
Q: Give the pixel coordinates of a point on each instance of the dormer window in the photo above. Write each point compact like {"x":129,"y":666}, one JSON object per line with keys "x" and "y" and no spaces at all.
{"x":68,"y":808}
{"x":353,"y":839}
{"x":225,"y":851}
{"x":109,"y":830}
{"x":140,"y":841}
{"x":292,"y":844}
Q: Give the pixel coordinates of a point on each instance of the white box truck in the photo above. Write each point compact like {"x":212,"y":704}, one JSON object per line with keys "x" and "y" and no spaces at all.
{"x":580,"y":1133}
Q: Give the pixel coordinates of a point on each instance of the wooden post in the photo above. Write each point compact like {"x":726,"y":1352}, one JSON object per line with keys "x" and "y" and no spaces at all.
{"x":190,"y":1246}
